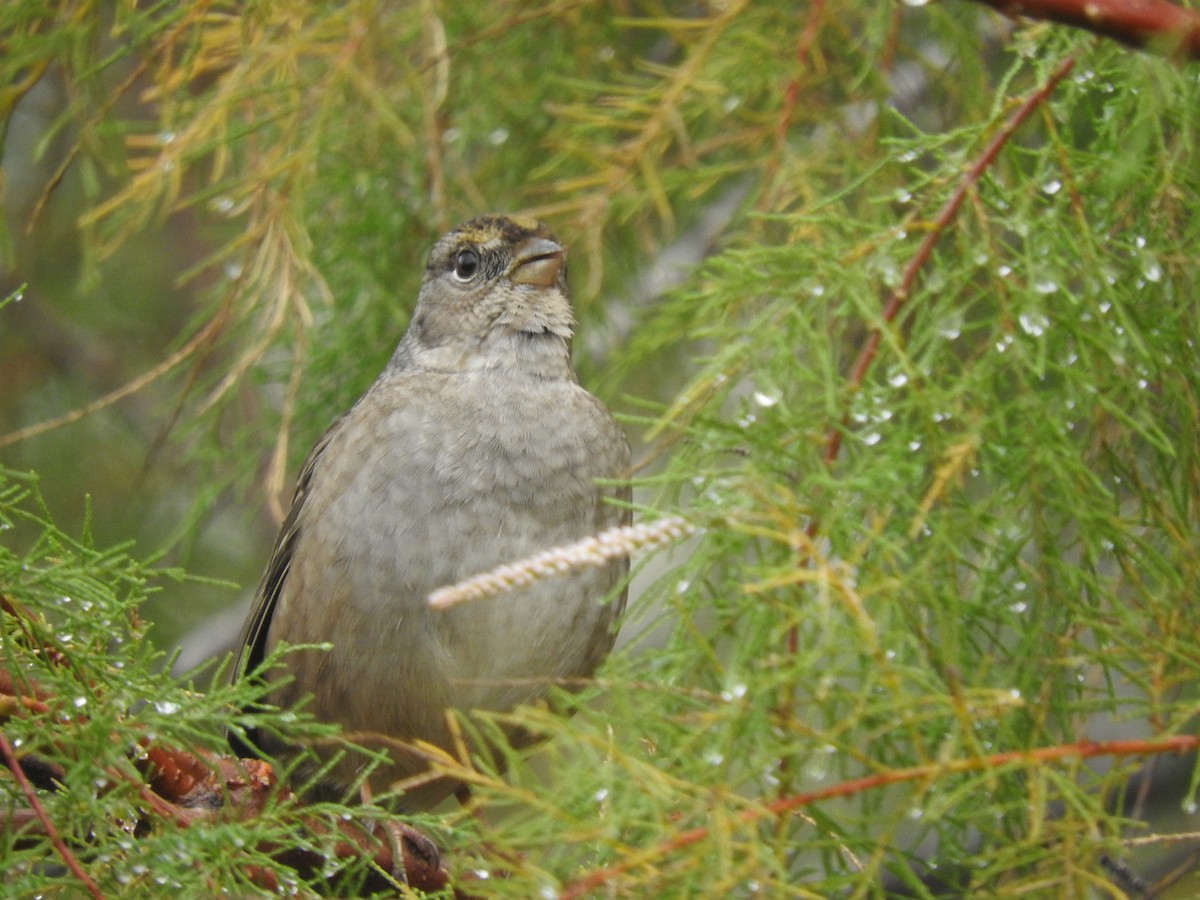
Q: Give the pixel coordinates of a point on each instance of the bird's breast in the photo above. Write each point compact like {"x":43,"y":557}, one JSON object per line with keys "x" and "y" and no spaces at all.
{"x":455,"y":474}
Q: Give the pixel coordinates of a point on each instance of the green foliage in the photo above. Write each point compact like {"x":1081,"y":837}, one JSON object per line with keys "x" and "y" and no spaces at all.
{"x":1001,"y":557}
{"x":74,"y":647}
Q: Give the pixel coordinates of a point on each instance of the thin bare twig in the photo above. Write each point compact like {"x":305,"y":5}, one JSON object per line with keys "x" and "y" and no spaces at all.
{"x":210,"y":330}
{"x":14,"y":766}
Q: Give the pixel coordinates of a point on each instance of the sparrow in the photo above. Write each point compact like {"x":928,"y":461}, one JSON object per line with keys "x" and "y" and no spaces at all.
{"x":475,"y":447}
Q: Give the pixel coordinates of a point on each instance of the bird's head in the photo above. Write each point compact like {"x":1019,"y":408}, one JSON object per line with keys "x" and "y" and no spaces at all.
{"x":494,"y":294}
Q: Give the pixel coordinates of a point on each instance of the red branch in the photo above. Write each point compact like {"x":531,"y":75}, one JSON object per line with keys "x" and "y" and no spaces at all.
{"x":14,"y":766}
{"x":1155,"y":25}
{"x":949,"y":210}
{"x":1078,"y":751}
{"x":895,"y":303}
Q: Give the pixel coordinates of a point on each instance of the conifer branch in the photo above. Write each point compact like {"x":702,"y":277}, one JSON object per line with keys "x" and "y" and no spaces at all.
{"x":193,"y":788}
{"x":31,"y":797}
{"x":900,"y":296}
{"x":1038,"y":756}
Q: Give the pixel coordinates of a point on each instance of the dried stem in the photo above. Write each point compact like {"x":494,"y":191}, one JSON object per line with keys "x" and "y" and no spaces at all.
{"x":210,"y":330}
{"x":590,"y":552}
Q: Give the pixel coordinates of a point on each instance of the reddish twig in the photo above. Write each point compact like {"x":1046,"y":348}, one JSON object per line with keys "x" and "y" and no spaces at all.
{"x":895,"y":302}
{"x":791,"y":96}
{"x":808,"y":36}
{"x":14,"y":766}
{"x":1079,"y":751}
{"x":1155,"y":25}
{"x":948,"y":211}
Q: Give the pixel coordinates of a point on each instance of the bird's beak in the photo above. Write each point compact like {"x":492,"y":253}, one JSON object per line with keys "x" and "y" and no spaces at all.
{"x":538,"y":262}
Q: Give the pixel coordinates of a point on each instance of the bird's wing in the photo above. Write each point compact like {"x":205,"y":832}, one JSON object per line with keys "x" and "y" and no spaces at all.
{"x":252,"y":642}
{"x":253,"y":639}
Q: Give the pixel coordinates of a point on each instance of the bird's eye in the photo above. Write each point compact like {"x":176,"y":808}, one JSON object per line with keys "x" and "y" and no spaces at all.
{"x":466,"y":264}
